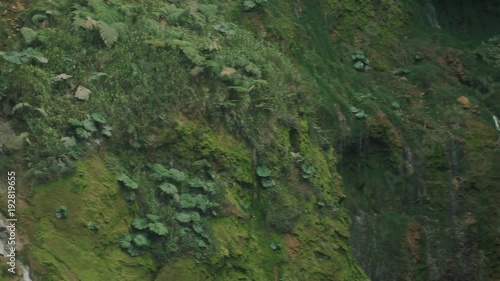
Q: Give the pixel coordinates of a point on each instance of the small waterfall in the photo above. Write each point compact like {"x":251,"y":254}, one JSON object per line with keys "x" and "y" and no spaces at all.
{"x":430,"y":13}
{"x":431,"y":262}
{"x":22,"y":270}
{"x":454,"y":166}
{"x":465,"y":263}
{"x":497,"y":122}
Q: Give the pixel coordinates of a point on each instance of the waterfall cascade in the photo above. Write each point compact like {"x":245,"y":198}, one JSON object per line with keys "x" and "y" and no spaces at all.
{"x":23,"y":271}
{"x":430,"y":13}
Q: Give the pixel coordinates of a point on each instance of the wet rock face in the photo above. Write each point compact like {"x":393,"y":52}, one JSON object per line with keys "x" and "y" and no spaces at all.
{"x":3,"y":238}
{"x":471,"y":18}
{"x":6,"y":133}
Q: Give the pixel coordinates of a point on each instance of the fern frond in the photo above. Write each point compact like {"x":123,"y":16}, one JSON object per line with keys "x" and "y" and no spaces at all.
{"x":180,"y":43}
{"x":42,"y":111}
{"x":19,"y":106}
{"x":104,"y":12}
{"x":241,"y":89}
{"x":211,"y":64}
{"x":153,"y":26}
{"x":193,"y":55}
{"x":88,"y":23}
{"x":171,"y":13}
{"x":209,"y":11}
{"x":38,"y":18}
{"x":243,"y":102}
{"x":29,"y":34}
{"x":121,"y":27}
{"x":108,"y":34}
{"x":194,"y":19}
{"x":196,"y":70}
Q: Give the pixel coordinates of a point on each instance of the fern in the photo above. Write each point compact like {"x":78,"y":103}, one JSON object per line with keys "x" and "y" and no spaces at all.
{"x":168,"y":188}
{"x":38,"y":18}
{"x":140,"y":224}
{"x":89,"y":23}
{"x":128,"y":182}
{"x":104,"y":12}
{"x":20,"y":106}
{"x":108,"y":34}
{"x":104,"y":18}
{"x":171,"y":13}
{"x":196,"y":70}
{"x":158,"y":228}
{"x":120,"y":27}
{"x":209,"y":11}
{"x":126,"y":241}
{"x":193,"y":55}
{"x":29,"y":34}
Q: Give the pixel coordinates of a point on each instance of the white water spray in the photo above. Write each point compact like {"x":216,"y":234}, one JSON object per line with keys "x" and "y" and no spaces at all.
{"x":430,"y":13}
{"x":497,"y":122}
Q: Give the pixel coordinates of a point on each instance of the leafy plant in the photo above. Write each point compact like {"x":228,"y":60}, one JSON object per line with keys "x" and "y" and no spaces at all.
{"x":29,"y":34}
{"x":92,"y":226}
{"x":127,"y":182}
{"x":308,"y":171}
{"x":140,"y":223}
{"x":361,"y":62}
{"x":418,"y":57}
{"x":264,"y":171}
{"x":161,"y":173}
{"x":98,"y":16}
{"x":205,"y":186}
{"x":168,"y":188}
{"x":126,"y":241}
{"x":359,"y":113}
{"x":141,"y":241}
{"x":158,"y":228}
{"x":401,"y":72}
{"x":134,"y":244}
{"x":267,"y":182}
{"x":93,"y":124}
{"x":130,"y":186}
{"x":61,"y":212}
{"x":186,"y":217}
{"x":275,"y":246}
{"x":26,"y":56}
{"x":252,"y":4}
{"x":282,"y":219}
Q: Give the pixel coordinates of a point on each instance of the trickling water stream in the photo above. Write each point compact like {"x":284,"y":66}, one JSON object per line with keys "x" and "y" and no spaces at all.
{"x":430,"y":13}
{"x":466,"y":260}
{"x":431,"y":262}
{"x":22,"y":270}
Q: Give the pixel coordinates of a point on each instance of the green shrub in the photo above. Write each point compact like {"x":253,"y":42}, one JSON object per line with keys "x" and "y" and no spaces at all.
{"x":307,"y":171}
{"x":92,"y":226}
{"x":361,"y":62}
{"x":282,"y":219}
{"x":252,"y":4}
{"x":61,"y":212}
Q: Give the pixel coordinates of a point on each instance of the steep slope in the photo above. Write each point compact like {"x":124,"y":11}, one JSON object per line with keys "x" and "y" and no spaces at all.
{"x":253,"y":140}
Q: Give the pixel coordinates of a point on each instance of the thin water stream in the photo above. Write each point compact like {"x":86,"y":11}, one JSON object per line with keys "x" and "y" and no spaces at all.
{"x":430,"y":13}
{"x":22,"y":270}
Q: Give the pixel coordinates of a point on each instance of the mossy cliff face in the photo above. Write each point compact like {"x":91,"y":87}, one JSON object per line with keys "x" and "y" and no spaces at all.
{"x":410,"y":171}
{"x":314,"y":246}
{"x":283,"y":140}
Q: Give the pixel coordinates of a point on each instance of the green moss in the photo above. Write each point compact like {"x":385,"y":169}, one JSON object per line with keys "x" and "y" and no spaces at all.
{"x":184,"y":269}
{"x":67,"y":245}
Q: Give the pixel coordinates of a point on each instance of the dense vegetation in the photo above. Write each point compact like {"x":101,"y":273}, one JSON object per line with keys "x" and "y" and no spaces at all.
{"x":200,"y":140}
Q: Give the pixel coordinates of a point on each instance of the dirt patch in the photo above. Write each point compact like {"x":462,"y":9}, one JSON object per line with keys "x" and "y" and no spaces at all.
{"x":452,"y":59}
{"x":292,"y":246}
{"x":413,"y":236}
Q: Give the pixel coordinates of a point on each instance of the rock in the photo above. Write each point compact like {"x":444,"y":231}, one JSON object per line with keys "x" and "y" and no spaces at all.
{"x":82,"y":93}
{"x":464,"y":101}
